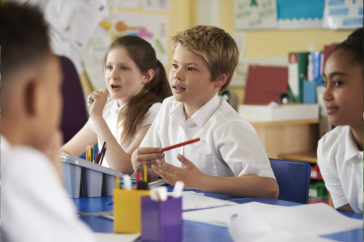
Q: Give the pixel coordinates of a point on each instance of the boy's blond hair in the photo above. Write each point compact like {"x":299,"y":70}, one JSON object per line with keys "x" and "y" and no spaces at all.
{"x":214,"y":45}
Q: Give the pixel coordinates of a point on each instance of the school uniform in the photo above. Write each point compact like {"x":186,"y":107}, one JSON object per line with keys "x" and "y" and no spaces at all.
{"x":111,"y":116}
{"x":229,"y":145}
{"x":34,"y":204}
{"x":341,"y":166}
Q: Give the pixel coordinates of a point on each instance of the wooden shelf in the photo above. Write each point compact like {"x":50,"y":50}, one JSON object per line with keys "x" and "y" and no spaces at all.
{"x":309,"y":157}
{"x":289,"y":137}
{"x":288,"y":122}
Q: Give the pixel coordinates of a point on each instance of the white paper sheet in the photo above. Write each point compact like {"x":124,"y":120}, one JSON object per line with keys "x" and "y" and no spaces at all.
{"x":194,"y":200}
{"x":111,"y":237}
{"x":260,"y":218}
{"x":285,"y":237}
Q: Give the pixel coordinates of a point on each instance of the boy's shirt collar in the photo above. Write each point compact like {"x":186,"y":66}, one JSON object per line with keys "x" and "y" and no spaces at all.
{"x":4,"y":143}
{"x":200,"y":117}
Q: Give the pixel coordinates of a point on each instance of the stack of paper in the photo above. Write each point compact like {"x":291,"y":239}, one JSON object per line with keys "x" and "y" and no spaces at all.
{"x":254,"y":220}
{"x":194,"y":200}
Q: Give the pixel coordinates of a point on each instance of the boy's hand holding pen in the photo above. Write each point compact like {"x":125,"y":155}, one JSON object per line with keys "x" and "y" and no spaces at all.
{"x":148,"y":156}
{"x":145,"y":155}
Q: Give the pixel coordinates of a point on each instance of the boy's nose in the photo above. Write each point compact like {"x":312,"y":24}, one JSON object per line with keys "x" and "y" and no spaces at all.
{"x":178,"y":74}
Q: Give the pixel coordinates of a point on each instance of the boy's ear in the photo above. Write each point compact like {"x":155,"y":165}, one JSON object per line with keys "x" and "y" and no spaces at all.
{"x":148,"y":76}
{"x":221,"y":80}
{"x":32,"y":99}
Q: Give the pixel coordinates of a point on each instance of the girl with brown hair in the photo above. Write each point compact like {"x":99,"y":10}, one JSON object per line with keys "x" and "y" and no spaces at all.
{"x":136,"y":83}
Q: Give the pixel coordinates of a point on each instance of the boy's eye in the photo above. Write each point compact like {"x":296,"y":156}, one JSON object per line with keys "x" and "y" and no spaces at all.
{"x":109,"y":68}
{"x":324,"y":83}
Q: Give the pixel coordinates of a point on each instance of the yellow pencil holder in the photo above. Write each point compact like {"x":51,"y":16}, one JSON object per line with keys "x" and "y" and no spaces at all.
{"x":127,"y":210}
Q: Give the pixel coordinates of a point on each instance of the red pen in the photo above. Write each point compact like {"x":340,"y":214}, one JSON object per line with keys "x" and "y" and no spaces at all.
{"x":180,"y":144}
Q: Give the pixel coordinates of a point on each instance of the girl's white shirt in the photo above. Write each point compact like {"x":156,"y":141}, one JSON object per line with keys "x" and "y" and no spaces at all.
{"x":341,"y":166}
{"x":111,"y":114}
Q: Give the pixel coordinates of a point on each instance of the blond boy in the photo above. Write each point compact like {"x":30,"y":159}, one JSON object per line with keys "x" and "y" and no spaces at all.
{"x":229,"y":159}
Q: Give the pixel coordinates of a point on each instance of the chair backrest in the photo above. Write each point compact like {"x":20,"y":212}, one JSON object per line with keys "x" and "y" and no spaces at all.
{"x":74,"y":114}
{"x":293,"y":178}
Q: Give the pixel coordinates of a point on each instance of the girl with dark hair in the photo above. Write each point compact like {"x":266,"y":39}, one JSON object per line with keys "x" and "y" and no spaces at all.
{"x":136,"y":83}
{"x":340,"y":151}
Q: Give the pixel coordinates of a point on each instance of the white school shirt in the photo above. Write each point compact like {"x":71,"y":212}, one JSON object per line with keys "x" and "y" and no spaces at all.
{"x":341,"y":167}
{"x":34,"y":205}
{"x":229,"y":145}
{"x":111,"y":114}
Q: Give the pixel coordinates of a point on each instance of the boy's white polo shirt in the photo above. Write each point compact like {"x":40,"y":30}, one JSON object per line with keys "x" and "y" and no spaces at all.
{"x":341,"y":166}
{"x":229,"y":145}
{"x":34,"y":203}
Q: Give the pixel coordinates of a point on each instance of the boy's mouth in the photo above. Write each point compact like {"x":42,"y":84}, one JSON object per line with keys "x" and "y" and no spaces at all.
{"x":178,"y":88}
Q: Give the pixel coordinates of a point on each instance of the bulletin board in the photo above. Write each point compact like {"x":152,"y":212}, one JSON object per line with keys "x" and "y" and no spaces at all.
{"x":153,"y":28}
{"x":298,"y":14}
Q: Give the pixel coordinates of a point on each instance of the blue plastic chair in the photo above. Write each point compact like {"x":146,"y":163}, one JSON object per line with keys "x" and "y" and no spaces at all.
{"x":293,"y":179}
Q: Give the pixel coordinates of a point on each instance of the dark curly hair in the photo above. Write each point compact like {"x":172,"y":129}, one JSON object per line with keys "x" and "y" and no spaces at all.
{"x":355,"y":44}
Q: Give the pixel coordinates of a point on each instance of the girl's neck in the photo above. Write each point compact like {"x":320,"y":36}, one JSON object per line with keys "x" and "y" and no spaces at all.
{"x":121,"y":102}
{"x":357,"y":133}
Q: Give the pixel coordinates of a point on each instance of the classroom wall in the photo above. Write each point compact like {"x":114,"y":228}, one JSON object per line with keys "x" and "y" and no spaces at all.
{"x":277,"y":43}
{"x":181,"y":15}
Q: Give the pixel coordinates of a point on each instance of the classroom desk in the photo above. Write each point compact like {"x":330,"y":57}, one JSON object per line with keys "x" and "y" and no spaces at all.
{"x":194,"y":231}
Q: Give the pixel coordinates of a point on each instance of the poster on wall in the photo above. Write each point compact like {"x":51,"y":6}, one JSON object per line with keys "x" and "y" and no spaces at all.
{"x":116,"y":5}
{"x":300,"y":14}
{"x":255,"y":14}
{"x":341,"y":14}
{"x":153,"y":28}
{"x":156,"y":5}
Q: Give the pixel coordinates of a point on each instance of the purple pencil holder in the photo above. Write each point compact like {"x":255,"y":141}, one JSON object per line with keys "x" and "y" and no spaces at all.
{"x":162,"y":220}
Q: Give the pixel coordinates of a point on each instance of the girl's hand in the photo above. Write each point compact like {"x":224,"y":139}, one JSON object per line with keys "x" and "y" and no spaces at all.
{"x":189,"y":174}
{"x":97,"y":101}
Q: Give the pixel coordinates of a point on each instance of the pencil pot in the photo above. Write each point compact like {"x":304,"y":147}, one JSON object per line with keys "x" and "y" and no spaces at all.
{"x":162,"y":220}
{"x":127,"y":210}
{"x":108,"y":185}
{"x":72,"y":179}
{"x":91,"y":185}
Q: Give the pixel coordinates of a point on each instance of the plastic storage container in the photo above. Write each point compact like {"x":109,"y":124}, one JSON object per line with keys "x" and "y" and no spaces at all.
{"x":87,"y":179}
{"x":162,"y":220}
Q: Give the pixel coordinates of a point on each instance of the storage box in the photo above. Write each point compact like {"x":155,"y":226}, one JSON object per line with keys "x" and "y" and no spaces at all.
{"x":127,"y":210}
{"x":82,"y":177}
{"x":162,"y":220}
{"x":279,"y":112}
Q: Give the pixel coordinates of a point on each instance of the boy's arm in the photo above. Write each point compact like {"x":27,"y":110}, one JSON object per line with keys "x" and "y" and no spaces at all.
{"x":242,"y":186}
